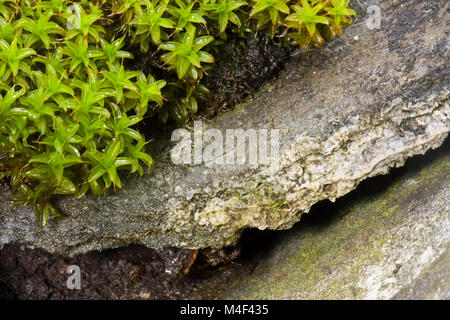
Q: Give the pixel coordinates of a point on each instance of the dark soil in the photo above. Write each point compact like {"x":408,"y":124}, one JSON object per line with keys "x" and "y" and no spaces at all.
{"x":243,"y":66}
{"x":112,"y":274}
{"x":126,"y":273}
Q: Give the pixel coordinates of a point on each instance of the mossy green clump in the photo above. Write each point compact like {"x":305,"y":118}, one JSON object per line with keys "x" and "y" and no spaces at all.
{"x":69,"y":103}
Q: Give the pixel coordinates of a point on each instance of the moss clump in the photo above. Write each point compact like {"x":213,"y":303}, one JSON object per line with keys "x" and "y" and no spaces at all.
{"x":69,"y":104}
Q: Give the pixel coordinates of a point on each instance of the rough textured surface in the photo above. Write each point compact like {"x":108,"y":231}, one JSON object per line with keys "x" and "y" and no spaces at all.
{"x":133,"y":272}
{"x":347,"y":113}
{"x":387,"y":240}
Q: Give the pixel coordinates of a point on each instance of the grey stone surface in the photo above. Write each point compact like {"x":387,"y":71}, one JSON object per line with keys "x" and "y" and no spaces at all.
{"x":351,"y":111}
{"x":387,"y":240}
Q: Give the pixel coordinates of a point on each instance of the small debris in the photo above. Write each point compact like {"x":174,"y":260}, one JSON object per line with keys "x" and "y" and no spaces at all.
{"x":397,"y":268}
{"x":135,"y":272}
{"x":145,"y":295}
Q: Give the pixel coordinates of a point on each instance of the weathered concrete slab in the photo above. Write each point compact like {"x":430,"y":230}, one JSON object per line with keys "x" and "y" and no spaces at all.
{"x":347,"y":113}
{"x":388,"y":240}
